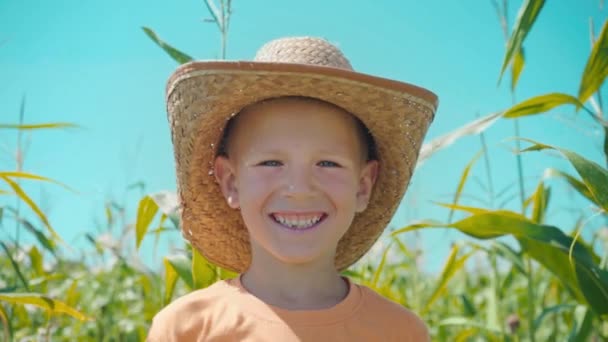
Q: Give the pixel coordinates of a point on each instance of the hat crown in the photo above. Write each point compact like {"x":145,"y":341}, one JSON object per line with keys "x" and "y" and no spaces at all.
{"x":303,"y":50}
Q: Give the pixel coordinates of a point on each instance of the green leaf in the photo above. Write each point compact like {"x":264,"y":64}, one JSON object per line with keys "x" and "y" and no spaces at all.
{"x":462,"y":182}
{"x":380,"y":267}
{"x":15,"y":266}
{"x":44,"y":302}
{"x":36,"y":261}
{"x":594,"y":176}
{"x":177,"y":55}
{"x":49,"y":245}
{"x":505,"y":251}
{"x":145,"y":214}
{"x":525,"y":20}
{"x":203,"y":273}
{"x":541,"y":201}
{"x":540,"y":104}
{"x":547,"y":245}
{"x":451,"y":267}
{"x":182,"y":266}
{"x":25,"y":198}
{"x":7,"y":327}
{"x":555,"y":309}
{"x":596,"y":69}
{"x":517,"y":67}
{"x":583,"y":325}
{"x":579,"y":186}
{"x":469,"y":307}
{"x":73,"y":295}
{"x":170,"y":281}
{"x":53,"y":125}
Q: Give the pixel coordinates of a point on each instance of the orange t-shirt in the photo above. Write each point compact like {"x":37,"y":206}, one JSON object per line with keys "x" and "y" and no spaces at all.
{"x":226,"y":311}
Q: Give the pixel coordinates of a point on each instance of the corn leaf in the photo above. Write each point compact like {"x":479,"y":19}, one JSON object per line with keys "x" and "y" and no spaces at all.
{"x":579,"y":186}
{"x":53,"y":125}
{"x":25,"y":198}
{"x":546,"y":244}
{"x":596,"y":69}
{"x":551,"y":310}
{"x":36,"y":261}
{"x":15,"y":266}
{"x":44,"y":302}
{"x":7,"y":327}
{"x":48,"y":244}
{"x":517,"y":67}
{"x":73,"y":295}
{"x":380,"y":267}
{"x":182,"y":266}
{"x":170,"y":281}
{"x":593,"y":176}
{"x":462,"y":182}
{"x":453,"y":264}
{"x":541,"y":201}
{"x":583,"y":325}
{"x":505,"y":251}
{"x":177,"y":55}
{"x":525,"y":20}
{"x":203,"y":273}
{"x":146,"y":211}
{"x":540,"y":104}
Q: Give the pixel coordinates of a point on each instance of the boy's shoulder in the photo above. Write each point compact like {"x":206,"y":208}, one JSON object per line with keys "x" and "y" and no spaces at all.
{"x":184,"y":316}
{"x":404,"y":322}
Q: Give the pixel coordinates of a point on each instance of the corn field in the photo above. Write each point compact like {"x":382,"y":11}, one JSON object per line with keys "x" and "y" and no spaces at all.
{"x":537,"y":282}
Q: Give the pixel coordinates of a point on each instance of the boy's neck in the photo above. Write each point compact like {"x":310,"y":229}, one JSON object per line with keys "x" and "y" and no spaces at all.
{"x":295,"y":287}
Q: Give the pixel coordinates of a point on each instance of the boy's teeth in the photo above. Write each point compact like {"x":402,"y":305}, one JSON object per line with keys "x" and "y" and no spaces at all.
{"x":297,"y":222}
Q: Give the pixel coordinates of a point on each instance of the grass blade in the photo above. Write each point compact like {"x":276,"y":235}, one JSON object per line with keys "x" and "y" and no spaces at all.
{"x":203,"y":274}
{"x":44,"y":302}
{"x":146,"y":211}
{"x":182,"y":266}
{"x":25,"y":175}
{"x":596,"y":69}
{"x":177,"y":55}
{"x":593,"y":176}
{"x":540,"y":104}
{"x":25,"y":198}
{"x":527,"y":16}
{"x":51,"y":125}
{"x":518,"y":66}
{"x":15,"y":266}
{"x":451,"y":267}
{"x":170,"y":281}
{"x":461,"y":183}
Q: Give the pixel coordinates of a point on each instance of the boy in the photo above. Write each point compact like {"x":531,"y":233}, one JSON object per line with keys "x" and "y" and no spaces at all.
{"x":288,"y":170}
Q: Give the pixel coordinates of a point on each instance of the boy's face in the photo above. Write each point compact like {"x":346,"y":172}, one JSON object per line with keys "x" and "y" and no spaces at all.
{"x":296,"y":170}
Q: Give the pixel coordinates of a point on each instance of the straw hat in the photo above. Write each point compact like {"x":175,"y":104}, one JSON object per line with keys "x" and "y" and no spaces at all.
{"x":203,"y":95}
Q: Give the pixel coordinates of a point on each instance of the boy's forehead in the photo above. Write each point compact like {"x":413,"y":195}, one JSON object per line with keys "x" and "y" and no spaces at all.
{"x":295,"y":120}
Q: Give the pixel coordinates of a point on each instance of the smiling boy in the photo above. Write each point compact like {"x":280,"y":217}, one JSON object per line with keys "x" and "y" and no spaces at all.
{"x":289,"y":168}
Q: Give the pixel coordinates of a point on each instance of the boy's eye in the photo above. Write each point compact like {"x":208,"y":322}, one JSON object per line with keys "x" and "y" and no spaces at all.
{"x":328,"y":163}
{"x":272,"y":163}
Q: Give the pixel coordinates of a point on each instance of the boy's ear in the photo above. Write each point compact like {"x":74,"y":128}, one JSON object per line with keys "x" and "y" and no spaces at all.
{"x":369,"y":174}
{"x":225,"y":176}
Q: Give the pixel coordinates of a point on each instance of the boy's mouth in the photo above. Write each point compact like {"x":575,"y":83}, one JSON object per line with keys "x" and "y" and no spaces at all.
{"x":298,"y":221}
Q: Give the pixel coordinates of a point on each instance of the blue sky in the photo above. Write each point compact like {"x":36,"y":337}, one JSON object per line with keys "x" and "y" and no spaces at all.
{"x":89,"y":63}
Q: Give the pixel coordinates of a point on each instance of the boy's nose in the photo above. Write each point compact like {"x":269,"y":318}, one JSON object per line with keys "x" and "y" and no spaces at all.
{"x":299,"y":183}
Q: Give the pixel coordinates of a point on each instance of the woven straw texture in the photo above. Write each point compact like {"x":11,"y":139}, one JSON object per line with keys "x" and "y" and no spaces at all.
{"x":202,"y":96}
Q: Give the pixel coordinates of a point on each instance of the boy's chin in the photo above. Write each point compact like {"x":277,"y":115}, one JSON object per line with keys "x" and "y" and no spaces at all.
{"x":301,"y":258}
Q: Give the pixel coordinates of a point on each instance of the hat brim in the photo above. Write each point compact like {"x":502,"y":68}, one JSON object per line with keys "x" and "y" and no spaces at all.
{"x":202,"y":96}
